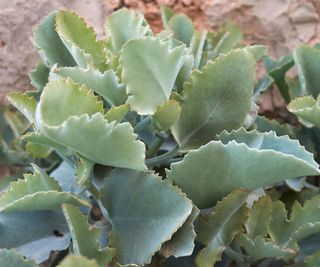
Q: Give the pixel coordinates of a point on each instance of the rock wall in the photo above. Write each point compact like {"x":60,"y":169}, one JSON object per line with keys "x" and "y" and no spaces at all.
{"x":281,"y":24}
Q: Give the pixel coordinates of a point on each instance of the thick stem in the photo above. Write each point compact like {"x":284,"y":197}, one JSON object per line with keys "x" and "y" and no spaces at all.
{"x":163,"y":159}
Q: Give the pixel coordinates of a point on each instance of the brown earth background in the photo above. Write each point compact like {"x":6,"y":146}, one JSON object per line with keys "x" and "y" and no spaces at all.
{"x":279,"y":24}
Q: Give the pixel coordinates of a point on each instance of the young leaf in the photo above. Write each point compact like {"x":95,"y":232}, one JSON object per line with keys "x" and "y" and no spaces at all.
{"x":304,"y":221}
{"x":76,"y":261}
{"x":34,"y":234}
{"x":214,"y":170}
{"x":80,"y":40}
{"x":85,"y":241}
{"x":151,"y":84}
{"x":156,"y":209}
{"x":39,"y":76}
{"x":117,"y":114}
{"x":219,"y":228}
{"x":182,"y":28}
{"x":307,"y":61}
{"x":124,"y":25}
{"x":63,"y":116}
{"x":105,"y":84}
{"x":259,"y":217}
{"x":166,"y":115}
{"x":181,"y":243}
{"x":217,"y":98}
{"x":259,"y":248}
{"x":10,"y":258}
{"x":50,"y":47}
{"x":307,"y":109}
{"x":197,"y":45}
{"x":37,"y":192}
{"x":24,"y":103}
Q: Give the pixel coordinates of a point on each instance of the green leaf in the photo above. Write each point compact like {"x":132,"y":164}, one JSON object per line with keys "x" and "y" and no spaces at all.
{"x":307,"y":109}
{"x":63,"y":113}
{"x":258,"y":51}
{"x":37,"y":150}
{"x":197,"y":45}
{"x":218,"y":229}
{"x":229,"y":36}
{"x":9,"y":258}
{"x":215,"y":169}
{"x":37,"y":192}
{"x":312,"y":261}
{"x":307,"y":61}
{"x":117,"y":113}
{"x":182,"y":28}
{"x":24,"y":103}
{"x":151,"y":84}
{"x":34,"y":234}
{"x":124,"y":25}
{"x":265,"y":125}
{"x":304,"y":221}
{"x":166,"y":14}
{"x":41,"y":139}
{"x":49,"y":45}
{"x":64,"y":174}
{"x":85,"y":241}
{"x":76,"y":261}
{"x":39,"y":76}
{"x":166,"y":115}
{"x":181,"y":243}
{"x":259,"y":218}
{"x":217,"y":98}
{"x":262,"y":86}
{"x":157,"y":210}
{"x":62,"y":99}
{"x":277,"y":69}
{"x":259,"y":248}
{"x":80,"y":40}
{"x":105,"y":84}
{"x":184,"y":73}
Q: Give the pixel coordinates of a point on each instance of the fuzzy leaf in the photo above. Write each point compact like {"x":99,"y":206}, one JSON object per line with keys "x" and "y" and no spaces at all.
{"x":39,"y":76}
{"x":265,"y":125}
{"x":307,"y":109}
{"x":124,"y":25}
{"x":304,"y":221}
{"x":117,"y":113}
{"x":166,"y":14}
{"x":166,"y":115}
{"x":258,"y":51}
{"x":37,"y":192}
{"x":219,"y":228}
{"x":259,"y":248}
{"x":217,"y":98}
{"x":80,"y":40}
{"x":151,"y":84}
{"x":63,"y":113}
{"x":156,"y":209}
{"x":182,"y":242}
{"x":10,"y":258}
{"x":49,"y":45}
{"x":64,"y":174}
{"x":76,"y":261}
{"x":214,"y":170}
{"x":85,"y":241}
{"x":105,"y":84}
{"x":263,"y":85}
{"x":307,"y":61}
{"x":24,"y":103}
{"x":182,"y":28}
{"x":34,"y":234}
{"x":197,"y":45}
{"x":259,"y":217}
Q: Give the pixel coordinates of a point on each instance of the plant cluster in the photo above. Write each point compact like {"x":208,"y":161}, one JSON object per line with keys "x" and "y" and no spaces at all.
{"x":149,"y":150}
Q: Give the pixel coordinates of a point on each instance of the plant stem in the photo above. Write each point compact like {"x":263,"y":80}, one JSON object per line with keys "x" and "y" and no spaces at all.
{"x":154,"y":147}
{"x":144,"y":123}
{"x":265,"y":263}
{"x":162,"y":159}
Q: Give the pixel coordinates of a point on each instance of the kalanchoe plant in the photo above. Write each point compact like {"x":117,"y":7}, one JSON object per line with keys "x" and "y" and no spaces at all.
{"x":163,"y":159}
